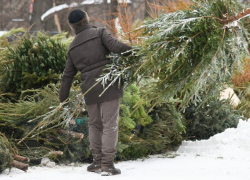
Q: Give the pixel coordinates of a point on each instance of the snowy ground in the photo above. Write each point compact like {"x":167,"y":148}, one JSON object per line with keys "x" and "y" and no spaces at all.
{"x":225,"y":156}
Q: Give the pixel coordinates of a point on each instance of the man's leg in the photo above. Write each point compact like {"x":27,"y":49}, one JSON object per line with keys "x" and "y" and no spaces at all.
{"x":95,"y":136}
{"x":110,"y":117}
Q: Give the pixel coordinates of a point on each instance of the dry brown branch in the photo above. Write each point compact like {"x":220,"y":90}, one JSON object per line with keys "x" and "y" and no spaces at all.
{"x":154,"y":8}
{"x":20,"y":158}
{"x":240,"y":78}
{"x":126,"y":23}
{"x":20,"y":165}
{"x":56,"y":153}
{"x":234,"y":18}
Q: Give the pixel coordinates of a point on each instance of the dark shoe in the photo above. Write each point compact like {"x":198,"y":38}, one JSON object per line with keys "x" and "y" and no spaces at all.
{"x":107,"y":167}
{"x":96,"y":165}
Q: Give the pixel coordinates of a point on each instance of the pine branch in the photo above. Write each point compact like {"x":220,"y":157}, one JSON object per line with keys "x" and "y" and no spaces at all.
{"x":243,"y":14}
{"x":188,"y":52}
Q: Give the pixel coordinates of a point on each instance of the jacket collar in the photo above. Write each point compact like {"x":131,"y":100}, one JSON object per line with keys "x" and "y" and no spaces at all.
{"x":82,"y":28}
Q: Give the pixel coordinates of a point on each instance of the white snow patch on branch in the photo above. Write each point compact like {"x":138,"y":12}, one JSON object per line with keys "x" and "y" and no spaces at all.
{"x":57,"y":9}
{"x":2,"y":32}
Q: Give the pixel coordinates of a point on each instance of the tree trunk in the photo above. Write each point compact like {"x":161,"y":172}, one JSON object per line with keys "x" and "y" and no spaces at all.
{"x":234,"y":18}
{"x":56,"y":153}
{"x":49,"y":25}
{"x":113,"y":15}
{"x":20,"y":165}
{"x":56,"y":18}
{"x":113,"y":8}
{"x":139,"y":8}
{"x":35,"y":21}
{"x":20,"y":158}
{"x":1,"y":15}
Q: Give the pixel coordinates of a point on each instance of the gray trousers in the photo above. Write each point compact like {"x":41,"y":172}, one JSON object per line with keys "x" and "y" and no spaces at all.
{"x":103,"y":126}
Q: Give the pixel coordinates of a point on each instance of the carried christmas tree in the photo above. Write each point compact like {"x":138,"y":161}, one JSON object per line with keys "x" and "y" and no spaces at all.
{"x":187,"y":53}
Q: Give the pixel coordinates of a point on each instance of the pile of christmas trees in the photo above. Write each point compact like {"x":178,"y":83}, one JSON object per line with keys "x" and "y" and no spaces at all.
{"x":173,"y":78}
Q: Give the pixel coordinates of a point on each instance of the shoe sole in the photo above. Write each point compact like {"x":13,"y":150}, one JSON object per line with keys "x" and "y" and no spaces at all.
{"x":104,"y":173}
{"x":96,"y":171}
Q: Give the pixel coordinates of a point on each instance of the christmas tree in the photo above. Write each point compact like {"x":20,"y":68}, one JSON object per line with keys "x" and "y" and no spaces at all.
{"x":188,"y":52}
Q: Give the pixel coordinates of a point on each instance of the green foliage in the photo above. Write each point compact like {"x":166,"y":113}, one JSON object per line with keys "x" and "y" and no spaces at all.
{"x":241,"y":82}
{"x":204,"y":121}
{"x":5,"y":153}
{"x":131,"y":111}
{"x":188,"y":52}
{"x":33,"y":63}
{"x":191,"y":52}
{"x":158,"y":137}
{"x":63,"y":38}
{"x":12,"y":33}
{"x":164,"y":133}
{"x":185,"y":55}
{"x":35,"y":123}
{"x":134,"y":151}
{"x":33,"y":103}
{"x":4,"y":44}
{"x":130,"y":145}
{"x":243,"y":93}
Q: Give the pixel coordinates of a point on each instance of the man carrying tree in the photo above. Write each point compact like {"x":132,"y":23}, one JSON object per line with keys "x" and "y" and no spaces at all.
{"x":87,"y":54}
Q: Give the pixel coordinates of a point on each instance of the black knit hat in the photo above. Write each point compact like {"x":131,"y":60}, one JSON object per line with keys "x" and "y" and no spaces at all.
{"x":76,"y":15}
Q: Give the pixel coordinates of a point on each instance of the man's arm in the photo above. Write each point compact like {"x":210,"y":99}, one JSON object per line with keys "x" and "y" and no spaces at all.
{"x":113,"y":44}
{"x":67,"y":78}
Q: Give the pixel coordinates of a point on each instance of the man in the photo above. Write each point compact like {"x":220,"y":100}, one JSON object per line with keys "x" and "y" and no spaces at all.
{"x":87,"y":54}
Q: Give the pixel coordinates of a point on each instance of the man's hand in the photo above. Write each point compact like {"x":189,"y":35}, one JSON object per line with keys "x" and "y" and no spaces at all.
{"x":63,"y":105}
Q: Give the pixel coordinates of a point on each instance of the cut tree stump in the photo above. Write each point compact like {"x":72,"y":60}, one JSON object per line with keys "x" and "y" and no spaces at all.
{"x":20,"y":165}
{"x":20,"y":158}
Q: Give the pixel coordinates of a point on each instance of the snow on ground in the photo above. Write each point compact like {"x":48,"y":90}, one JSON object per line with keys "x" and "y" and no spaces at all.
{"x":225,"y":156}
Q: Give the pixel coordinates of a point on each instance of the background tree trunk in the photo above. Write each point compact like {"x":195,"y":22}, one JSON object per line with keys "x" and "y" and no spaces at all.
{"x":113,"y":15}
{"x":49,"y":25}
{"x":39,"y":7}
{"x":35,"y":21}
{"x":56,"y":18}
{"x":1,"y":15}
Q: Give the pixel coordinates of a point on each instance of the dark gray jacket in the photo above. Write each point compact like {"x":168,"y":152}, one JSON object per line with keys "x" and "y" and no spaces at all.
{"x":87,"y":54}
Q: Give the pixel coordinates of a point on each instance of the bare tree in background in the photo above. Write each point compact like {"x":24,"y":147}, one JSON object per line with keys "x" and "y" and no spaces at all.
{"x":114,"y":11}
{"x":27,"y":13}
{"x":14,"y":14}
{"x":1,"y":15}
{"x":39,"y":7}
{"x":35,"y":21}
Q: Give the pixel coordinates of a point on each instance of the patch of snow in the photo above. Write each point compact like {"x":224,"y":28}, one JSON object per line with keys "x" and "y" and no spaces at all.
{"x":183,"y":167}
{"x":47,"y":162}
{"x":233,"y":143}
{"x":121,"y":1}
{"x":92,"y":2}
{"x":224,"y":156}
